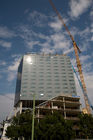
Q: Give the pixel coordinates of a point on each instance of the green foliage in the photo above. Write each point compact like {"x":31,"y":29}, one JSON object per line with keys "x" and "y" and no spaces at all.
{"x":21,"y":126}
{"x":86,"y":126}
{"x":52,"y":127}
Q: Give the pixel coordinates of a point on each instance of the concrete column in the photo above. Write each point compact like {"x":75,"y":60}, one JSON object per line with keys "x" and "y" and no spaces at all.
{"x":23,"y":138}
{"x":64,"y":108}
{"x":20,"y":106}
{"x":64,"y":115}
{"x":38,"y":114}
{"x":63,"y":99}
{"x":52,"y":106}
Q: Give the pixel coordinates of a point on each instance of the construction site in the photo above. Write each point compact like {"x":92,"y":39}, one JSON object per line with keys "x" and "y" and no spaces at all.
{"x":30,"y":62}
{"x":45,"y":84}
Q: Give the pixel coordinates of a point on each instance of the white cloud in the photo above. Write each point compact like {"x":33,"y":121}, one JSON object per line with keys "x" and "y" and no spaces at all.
{"x":2,"y":63}
{"x":92,"y":38}
{"x":84,"y":58}
{"x":11,"y":76}
{"x":5,"y":44}
{"x":69,"y":51}
{"x":14,"y":66}
{"x":31,"y":44}
{"x":53,"y":42}
{"x":84,"y":32}
{"x":6,"y":105}
{"x":6,"y":33}
{"x":91,"y":14}
{"x":78,"y":7}
{"x":81,"y":33}
{"x":12,"y":69}
{"x":60,"y":41}
{"x":37,"y":18}
{"x":47,"y":50}
{"x":57,"y":25}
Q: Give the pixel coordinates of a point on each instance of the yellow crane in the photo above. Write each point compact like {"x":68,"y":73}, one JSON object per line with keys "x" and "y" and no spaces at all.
{"x":77,"y":50}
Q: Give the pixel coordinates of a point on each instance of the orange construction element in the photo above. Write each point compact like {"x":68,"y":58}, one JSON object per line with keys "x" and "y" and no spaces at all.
{"x":76,"y":49}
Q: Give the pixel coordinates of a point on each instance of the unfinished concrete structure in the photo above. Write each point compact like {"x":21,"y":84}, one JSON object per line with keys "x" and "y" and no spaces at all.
{"x":68,"y":106}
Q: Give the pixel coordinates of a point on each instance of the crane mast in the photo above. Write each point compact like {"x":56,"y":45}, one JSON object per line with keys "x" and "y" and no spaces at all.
{"x":77,"y":50}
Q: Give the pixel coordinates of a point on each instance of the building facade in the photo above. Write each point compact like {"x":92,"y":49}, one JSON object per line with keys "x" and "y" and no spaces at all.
{"x":46,"y":76}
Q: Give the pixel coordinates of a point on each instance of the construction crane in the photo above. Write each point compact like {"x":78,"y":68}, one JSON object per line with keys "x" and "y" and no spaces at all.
{"x":82,"y":87}
{"x":77,"y":50}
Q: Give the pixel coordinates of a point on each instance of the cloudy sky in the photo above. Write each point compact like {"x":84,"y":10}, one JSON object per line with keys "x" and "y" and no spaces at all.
{"x":32,"y":26}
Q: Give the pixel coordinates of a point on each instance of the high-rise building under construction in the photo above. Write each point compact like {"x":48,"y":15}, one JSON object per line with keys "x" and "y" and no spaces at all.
{"x":46,"y":76}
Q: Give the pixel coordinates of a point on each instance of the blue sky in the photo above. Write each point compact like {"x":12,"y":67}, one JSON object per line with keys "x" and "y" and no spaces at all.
{"x":32,"y":26}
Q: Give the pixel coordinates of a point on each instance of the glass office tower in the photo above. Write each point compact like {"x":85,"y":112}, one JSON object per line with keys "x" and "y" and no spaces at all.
{"x":46,"y":76}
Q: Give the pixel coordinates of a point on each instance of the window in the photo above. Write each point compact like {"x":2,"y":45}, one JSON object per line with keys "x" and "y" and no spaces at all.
{"x":48,"y":65}
{"x":49,"y":76}
{"x":41,"y":83}
{"x":33,"y":79}
{"x":56,"y":79}
{"x":32,"y":87}
{"x":33,"y":83}
{"x":55,"y":60}
{"x":49,"y":87}
{"x":41,"y":87}
{"x":24,"y":86}
{"x":32,"y":91}
{"x":57,"y":83}
{"x":70,"y":80}
{"x":48,"y":80}
{"x":49,"y":83}
{"x":56,"y":72}
{"x":65,"y":91}
{"x":55,"y":66}
{"x":25,"y":79}
{"x":41,"y":91}
{"x":63,"y":73}
{"x":48,"y":72}
{"x":41,"y":75}
{"x":55,"y":69}
{"x":33,"y":75}
{"x":57,"y":91}
{"x":49,"y":96}
{"x":23,"y":91}
{"x":56,"y":76}
{"x":41,"y":66}
{"x":64,"y":83}
{"x":65,"y":87}
{"x":62,"y":63}
{"x":40,"y":59}
{"x":41,"y":72}
{"x":41,"y":79}
{"x":24,"y":83}
{"x":55,"y":63}
{"x":57,"y":87}
{"x":49,"y":91}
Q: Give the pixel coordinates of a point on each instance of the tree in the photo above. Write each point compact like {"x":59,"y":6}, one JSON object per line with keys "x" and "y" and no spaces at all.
{"x":52,"y":127}
{"x":20,"y":126}
{"x":86,"y":126}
